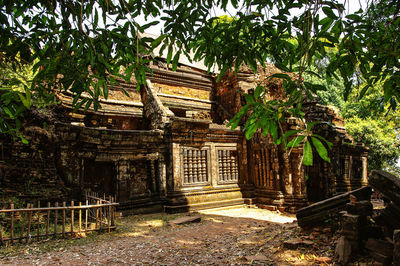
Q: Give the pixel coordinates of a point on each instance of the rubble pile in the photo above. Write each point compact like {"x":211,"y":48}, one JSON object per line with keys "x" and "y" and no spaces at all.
{"x":362,"y":229}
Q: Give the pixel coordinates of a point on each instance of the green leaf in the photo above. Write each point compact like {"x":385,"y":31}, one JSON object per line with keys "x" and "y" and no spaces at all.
{"x":353,"y":17}
{"x":266,"y":127}
{"x":330,"y":145}
{"x":310,"y":125}
{"x":87,"y":105}
{"x":23,"y":139}
{"x":281,"y":76}
{"x":169,"y":55}
{"x":290,"y":133}
{"x":259,"y":89}
{"x":307,"y":154}
{"x":236,"y":119}
{"x":295,"y":141}
{"x":274,"y":131}
{"x":251,"y":130}
{"x":105,"y":88}
{"x":328,"y":11}
{"x":157,"y":41}
{"x":249,"y":98}
{"x":26,"y":101}
{"x":363,"y":91}
{"x":7,"y":111}
{"x":175,"y":61}
{"x":78,"y":105}
{"x":323,"y":153}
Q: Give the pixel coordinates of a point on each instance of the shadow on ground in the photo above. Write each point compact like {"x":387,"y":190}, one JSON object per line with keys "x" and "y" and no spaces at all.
{"x":223,"y":237}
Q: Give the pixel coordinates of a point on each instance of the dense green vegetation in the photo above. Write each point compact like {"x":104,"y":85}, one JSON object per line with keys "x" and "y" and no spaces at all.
{"x":368,"y":123}
{"x":84,"y":45}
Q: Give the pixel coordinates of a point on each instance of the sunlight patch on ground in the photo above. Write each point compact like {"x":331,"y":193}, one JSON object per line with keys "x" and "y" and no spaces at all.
{"x":253,"y":213}
{"x":188,"y":242}
{"x":139,"y":227}
{"x":152,"y":223}
{"x":214,"y":220}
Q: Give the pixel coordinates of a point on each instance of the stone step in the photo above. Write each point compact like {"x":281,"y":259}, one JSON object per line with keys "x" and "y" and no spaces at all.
{"x":185,"y":220}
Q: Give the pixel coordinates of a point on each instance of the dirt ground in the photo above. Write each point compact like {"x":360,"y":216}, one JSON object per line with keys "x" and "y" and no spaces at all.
{"x":236,"y":236}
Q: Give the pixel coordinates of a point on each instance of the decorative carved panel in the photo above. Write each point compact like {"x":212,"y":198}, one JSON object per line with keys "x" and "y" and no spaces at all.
{"x":195,"y":166}
{"x":227,"y":165}
{"x":264,"y":168}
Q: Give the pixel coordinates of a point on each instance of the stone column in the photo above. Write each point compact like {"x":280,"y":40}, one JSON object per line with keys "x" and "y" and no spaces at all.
{"x":176,"y":181}
{"x":244,"y":176}
{"x":213,"y":177}
{"x":287,"y":175}
{"x":162,"y":175}
{"x":364,"y":176}
{"x":298,"y":180}
{"x":153,"y":176}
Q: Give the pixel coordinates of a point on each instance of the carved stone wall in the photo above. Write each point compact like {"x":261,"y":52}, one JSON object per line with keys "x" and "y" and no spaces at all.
{"x":227,"y":165}
{"x":206,"y":167}
{"x":196,"y":166}
{"x":188,"y":159}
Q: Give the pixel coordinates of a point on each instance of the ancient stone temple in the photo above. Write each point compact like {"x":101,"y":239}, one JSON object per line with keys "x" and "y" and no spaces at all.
{"x":167,"y":147}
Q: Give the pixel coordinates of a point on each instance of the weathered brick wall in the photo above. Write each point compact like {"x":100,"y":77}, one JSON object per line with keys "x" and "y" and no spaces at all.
{"x":56,"y":166}
{"x":29,"y":170}
{"x":228,"y":98}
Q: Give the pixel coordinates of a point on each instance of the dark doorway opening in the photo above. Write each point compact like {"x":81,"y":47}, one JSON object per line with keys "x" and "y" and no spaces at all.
{"x":316,"y":182}
{"x":99,"y":177}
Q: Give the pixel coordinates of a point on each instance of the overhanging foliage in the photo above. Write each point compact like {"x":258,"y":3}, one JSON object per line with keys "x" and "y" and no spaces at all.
{"x":83,"y":46}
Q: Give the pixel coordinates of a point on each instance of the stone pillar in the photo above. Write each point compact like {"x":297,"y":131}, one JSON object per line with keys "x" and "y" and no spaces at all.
{"x":244,"y":176}
{"x":287,"y":174}
{"x":298,"y":181}
{"x":162,"y":175}
{"x":364,"y":176}
{"x":175,"y":181}
{"x":214,"y":165}
{"x":153,"y":176}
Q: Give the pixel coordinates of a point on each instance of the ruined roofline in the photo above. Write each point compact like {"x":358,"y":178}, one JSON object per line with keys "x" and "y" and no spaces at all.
{"x":109,"y":107}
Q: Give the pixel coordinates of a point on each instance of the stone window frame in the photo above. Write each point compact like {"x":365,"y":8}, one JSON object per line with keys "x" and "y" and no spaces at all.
{"x":227,"y":148}
{"x":208,"y":165}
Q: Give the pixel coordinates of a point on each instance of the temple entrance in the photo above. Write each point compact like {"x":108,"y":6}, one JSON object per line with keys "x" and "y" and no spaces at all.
{"x":316,"y":183}
{"x":99,"y":177}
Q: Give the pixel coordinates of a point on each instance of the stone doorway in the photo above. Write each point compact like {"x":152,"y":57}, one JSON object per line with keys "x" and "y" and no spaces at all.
{"x":316,"y":182}
{"x":99,"y":177}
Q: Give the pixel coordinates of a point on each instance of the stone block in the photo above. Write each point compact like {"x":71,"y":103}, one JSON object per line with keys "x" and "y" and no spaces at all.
{"x":363,"y":208}
{"x":267,"y":207}
{"x":387,"y":184}
{"x":296,"y":243}
{"x":352,"y":225}
{"x":185,"y":220}
{"x":381,"y":247}
{"x":384,"y":260}
{"x":343,"y":250}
